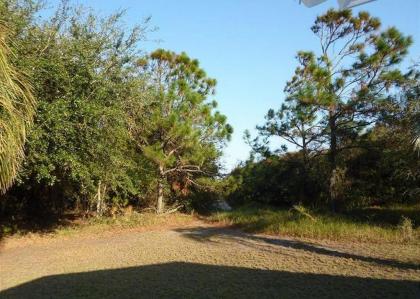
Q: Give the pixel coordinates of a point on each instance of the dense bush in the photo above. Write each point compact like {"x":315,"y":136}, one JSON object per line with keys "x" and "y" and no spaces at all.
{"x":382,"y":169}
{"x":97,"y":138}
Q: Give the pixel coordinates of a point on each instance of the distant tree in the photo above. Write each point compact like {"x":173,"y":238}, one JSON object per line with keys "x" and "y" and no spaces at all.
{"x":412,"y":104}
{"x":177,"y":128}
{"x":17,"y":107}
{"x":403,"y":107}
{"x":347,"y":83}
{"x":296,"y":123}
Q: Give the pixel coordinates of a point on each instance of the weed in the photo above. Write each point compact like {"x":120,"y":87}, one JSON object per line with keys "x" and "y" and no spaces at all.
{"x":406,"y":229}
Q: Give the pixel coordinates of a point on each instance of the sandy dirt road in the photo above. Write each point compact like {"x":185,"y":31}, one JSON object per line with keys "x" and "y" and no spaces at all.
{"x":202,"y":261}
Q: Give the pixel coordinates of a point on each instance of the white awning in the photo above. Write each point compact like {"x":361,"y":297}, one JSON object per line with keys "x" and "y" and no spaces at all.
{"x":310,"y":3}
{"x":352,"y":3}
{"x":342,"y":3}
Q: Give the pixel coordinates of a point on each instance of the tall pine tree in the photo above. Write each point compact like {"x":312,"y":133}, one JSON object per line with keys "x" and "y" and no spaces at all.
{"x":349,"y":78}
{"x":177,"y":127}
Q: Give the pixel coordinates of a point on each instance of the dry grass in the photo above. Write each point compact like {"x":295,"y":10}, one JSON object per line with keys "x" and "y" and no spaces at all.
{"x":298,"y":222}
{"x":96,"y":227}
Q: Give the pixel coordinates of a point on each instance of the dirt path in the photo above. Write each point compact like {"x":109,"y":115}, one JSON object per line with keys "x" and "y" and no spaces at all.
{"x":202,"y":261}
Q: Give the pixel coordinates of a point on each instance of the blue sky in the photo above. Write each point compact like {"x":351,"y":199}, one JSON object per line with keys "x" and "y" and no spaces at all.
{"x":248,"y":45}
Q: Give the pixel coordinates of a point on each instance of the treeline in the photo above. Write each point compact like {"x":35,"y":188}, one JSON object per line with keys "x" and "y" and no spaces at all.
{"x":113,"y":126}
{"x":352,"y":119}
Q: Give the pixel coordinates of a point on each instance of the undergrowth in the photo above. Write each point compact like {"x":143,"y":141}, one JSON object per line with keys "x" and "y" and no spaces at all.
{"x":301,"y":222}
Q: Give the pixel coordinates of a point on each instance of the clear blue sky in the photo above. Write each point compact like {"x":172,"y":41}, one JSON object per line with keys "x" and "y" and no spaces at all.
{"x":248,"y":45}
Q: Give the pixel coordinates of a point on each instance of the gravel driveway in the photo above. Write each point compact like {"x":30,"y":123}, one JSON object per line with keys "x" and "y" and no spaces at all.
{"x":201,"y":261}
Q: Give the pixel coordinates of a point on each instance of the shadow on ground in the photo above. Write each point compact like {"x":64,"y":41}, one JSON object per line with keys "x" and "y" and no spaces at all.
{"x":385,"y":216}
{"x":38,"y":225}
{"x":186,"y":280}
{"x":205,"y":234}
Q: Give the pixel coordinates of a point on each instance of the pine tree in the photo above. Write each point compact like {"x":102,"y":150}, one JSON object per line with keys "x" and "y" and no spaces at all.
{"x":347,"y":82}
{"x":177,"y":128}
{"x":296,"y":123}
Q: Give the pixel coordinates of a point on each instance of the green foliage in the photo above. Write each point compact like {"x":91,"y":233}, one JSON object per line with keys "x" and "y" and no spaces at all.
{"x":177,"y":128}
{"x":111,"y":121}
{"x":292,"y":222}
{"x":338,"y":184}
{"x":115,"y":127}
{"x":276,"y":181}
{"x":350,"y":115}
{"x":81,"y":76}
{"x":410,"y":108}
{"x":17,"y":106}
{"x":381,"y":169}
{"x":348,"y":81}
{"x":80,"y":70}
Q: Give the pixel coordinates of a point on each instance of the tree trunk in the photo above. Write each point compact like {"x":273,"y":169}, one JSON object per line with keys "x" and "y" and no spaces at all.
{"x":332,"y":153}
{"x":99,"y":201}
{"x":333,"y":141}
{"x":303,"y":188}
{"x":160,"y":200}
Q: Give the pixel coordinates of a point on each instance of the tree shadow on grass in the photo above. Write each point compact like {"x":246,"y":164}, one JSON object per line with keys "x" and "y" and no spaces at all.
{"x":188,"y":280}
{"x":39,"y":225}
{"x":385,"y":216}
{"x":204,"y":234}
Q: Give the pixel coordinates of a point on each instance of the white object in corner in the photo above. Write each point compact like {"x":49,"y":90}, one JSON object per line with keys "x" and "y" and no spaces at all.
{"x":310,"y":3}
{"x":351,"y":3}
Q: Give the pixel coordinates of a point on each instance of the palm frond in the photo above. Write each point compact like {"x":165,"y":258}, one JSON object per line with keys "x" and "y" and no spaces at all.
{"x":17,"y":107}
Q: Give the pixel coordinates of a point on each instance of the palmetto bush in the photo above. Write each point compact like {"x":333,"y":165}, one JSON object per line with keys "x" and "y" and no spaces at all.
{"x":17,"y":107}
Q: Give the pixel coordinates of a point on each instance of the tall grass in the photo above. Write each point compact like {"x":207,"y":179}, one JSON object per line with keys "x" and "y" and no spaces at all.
{"x":296,"y":222}
{"x":132,"y":221}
